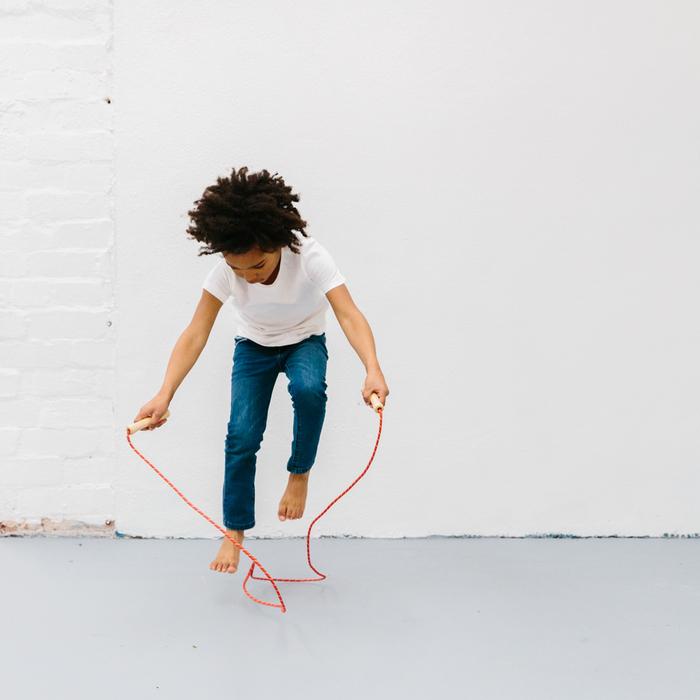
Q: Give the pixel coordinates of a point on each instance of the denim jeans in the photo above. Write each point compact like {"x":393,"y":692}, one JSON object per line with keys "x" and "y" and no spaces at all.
{"x":255,"y":370}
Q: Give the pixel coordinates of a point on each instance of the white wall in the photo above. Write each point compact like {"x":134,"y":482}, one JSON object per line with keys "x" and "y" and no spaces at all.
{"x":509,"y":189}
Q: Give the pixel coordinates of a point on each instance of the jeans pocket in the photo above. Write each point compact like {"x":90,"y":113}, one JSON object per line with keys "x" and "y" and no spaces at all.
{"x":322,"y":340}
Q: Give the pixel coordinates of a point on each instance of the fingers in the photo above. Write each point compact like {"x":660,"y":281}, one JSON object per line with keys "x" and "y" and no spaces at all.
{"x":152,"y":413}
{"x":157,"y":424}
{"x":368,"y":398}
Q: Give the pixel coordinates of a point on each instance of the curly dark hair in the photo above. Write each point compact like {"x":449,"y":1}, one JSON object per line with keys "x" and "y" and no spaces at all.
{"x":242,"y":211}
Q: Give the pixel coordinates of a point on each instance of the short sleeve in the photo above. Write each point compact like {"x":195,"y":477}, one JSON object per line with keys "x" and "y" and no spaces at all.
{"x":320,"y":266}
{"x":217,"y":282}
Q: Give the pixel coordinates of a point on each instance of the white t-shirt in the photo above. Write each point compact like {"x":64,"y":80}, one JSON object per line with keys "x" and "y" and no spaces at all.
{"x":290,"y":309}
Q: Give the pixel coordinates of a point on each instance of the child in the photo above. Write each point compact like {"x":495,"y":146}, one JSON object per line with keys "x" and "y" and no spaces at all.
{"x":278,"y":281}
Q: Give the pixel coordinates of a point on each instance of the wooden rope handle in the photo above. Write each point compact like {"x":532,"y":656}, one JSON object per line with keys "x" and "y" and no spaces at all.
{"x":376,"y":403}
{"x":143,"y":423}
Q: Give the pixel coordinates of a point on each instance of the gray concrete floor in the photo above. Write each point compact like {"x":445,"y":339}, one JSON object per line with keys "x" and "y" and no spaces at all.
{"x":482,"y":618}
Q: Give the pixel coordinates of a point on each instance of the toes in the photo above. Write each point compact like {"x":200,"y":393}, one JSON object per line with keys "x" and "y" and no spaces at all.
{"x":286,"y":512}
{"x":224,"y":565}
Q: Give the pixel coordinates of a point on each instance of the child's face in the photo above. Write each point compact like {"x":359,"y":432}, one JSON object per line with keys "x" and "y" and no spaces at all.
{"x":255,"y":266}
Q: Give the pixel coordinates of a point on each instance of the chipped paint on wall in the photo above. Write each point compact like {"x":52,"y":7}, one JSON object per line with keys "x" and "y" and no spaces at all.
{"x":47,"y":526}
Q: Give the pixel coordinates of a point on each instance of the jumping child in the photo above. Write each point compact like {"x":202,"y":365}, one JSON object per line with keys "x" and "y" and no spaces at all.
{"x":277,"y":280}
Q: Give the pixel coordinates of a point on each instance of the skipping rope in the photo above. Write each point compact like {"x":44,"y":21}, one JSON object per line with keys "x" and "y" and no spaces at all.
{"x":145,"y":422}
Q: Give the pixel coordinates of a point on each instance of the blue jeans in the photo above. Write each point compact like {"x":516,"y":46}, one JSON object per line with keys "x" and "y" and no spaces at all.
{"x":255,"y":370}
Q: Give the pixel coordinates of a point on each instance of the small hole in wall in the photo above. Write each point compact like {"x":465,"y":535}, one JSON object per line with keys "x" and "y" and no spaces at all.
{"x":108,"y":100}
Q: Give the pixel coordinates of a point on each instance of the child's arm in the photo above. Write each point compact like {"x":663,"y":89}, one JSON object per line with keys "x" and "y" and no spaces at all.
{"x":359,"y":334}
{"x":191,"y":343}
{"x":183,"y":357}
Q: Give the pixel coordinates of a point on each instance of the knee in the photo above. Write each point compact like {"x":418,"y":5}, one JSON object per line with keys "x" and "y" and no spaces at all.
{"x":242,"y":441}
{"x":309,"y":391}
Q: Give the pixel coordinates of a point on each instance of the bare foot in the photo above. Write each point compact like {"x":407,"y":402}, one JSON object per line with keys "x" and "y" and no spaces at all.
{"x":226,"y":559}
{"x":294,"y":499}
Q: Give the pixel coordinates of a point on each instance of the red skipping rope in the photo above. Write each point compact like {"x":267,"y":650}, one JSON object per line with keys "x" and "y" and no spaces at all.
{"x":267,"y":576}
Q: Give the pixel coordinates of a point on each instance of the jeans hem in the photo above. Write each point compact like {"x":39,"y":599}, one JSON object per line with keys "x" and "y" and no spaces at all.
{"x":238,"y":527}
{"x":298,"y":470}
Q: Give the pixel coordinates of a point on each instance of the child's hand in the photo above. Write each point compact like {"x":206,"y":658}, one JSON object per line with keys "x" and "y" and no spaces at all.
{"x":374,"y":382}
{"x":154,"y":409}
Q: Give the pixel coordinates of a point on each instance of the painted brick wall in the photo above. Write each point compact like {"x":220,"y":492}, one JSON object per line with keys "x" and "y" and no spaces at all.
{"x":57,"y":341}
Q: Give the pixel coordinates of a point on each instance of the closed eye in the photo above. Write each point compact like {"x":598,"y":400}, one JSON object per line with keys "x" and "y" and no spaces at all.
{"x":257,"y":267}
